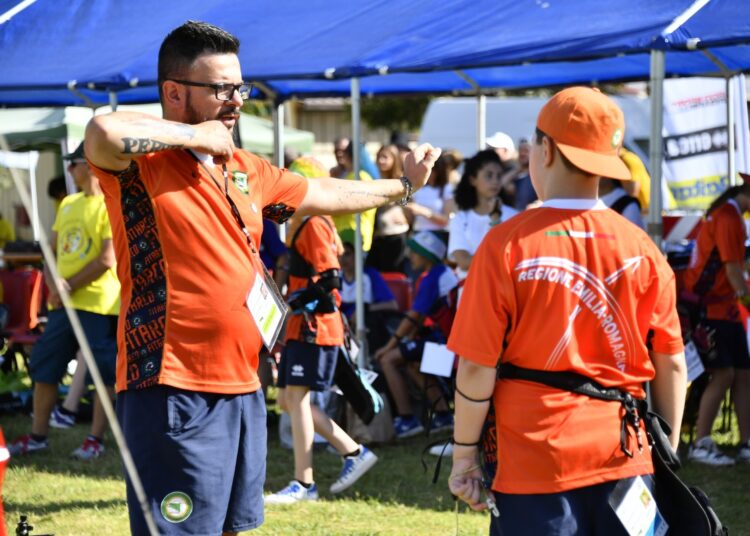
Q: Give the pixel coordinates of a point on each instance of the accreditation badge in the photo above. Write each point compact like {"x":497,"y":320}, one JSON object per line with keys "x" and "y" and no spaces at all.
{"x":266,"y":305}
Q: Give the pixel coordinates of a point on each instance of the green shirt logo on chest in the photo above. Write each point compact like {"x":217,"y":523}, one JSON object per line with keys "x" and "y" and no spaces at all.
{"x":239,"y":178}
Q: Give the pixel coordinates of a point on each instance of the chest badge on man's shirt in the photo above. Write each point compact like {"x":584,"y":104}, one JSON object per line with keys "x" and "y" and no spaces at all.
{"x":239,"y":179}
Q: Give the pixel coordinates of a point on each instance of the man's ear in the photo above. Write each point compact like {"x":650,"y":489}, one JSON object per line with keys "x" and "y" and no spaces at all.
{"x":173,"y":93}
{"x":548,"y":151}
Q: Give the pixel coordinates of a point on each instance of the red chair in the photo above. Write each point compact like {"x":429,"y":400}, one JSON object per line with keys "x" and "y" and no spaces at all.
{"x":22,"y":294}
{"x":401,"y":288}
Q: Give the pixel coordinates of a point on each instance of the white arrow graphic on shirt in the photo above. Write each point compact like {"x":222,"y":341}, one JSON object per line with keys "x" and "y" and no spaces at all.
{"x":632,"y":262}
{"x":557,"y":352}
{"x":596,"y":285}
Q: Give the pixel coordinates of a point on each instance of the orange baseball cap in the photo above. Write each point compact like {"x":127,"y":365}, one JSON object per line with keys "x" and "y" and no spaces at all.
{"x":588,"y":128}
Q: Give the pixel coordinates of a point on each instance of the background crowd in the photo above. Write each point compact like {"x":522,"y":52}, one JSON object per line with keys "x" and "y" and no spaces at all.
{"x":416,"y":258}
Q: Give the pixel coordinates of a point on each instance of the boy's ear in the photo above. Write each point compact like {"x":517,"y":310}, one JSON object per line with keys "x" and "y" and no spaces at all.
{"x":548,"y":151}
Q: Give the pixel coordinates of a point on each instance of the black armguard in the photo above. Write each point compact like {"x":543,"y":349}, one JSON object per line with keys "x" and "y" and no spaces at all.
{"x":321,"y":291}
{"x":330,"y":279}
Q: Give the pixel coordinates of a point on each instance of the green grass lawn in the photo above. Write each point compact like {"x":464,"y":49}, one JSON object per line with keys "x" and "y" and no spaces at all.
{"x":64,"y":496}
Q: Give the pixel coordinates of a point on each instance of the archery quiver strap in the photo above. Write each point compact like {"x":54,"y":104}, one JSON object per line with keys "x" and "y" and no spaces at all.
{"x":687,"y":511}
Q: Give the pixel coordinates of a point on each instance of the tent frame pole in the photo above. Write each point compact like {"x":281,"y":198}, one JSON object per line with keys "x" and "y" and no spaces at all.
{"x":656,"y":147}
{"x":278,"y":147}
{"x":731,"y":165}
{"x":278,"y":133}
{"x":358,"y":252}
{"x":89,"y":103}
{"x":481,"y":121}
{"x":481,"y":109}
{"x":113,"y":100}
{"x":33,"y":157}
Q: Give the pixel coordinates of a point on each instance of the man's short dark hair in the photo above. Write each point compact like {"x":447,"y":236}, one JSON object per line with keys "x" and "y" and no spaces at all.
{"x":183,"y":45}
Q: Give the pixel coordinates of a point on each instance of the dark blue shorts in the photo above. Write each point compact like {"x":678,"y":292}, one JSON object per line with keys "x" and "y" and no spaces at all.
{"x":307,"y":365}
{"x":201,"y":458}
{"x":579,"y":512}
{"x":731,"y":345}
{"x":58,"y":346}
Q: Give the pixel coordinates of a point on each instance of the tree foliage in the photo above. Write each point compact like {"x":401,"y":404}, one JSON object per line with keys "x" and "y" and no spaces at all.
{"x":394,"y":113}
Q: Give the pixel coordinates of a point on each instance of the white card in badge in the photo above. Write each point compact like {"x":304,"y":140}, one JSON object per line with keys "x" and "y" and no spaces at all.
{"x":693,"y":360}
{"x":267,"y":308}
{"x":636,"y":508}
{"x":437,"y":360}
{"x":353,"y":350}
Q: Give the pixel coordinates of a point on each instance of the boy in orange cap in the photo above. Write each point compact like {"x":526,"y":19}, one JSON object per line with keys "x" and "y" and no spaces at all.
{"x":570,"y":286}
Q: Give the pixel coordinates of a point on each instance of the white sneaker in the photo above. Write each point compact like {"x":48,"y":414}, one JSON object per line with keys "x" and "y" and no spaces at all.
{"x":354,"y":468}
{"x":443,"y":449}
{"x":58,"y":419}
{"x":744,"y":454}
{"x":705,"y":451}
{"x":92,"y":448}
{"x":293,"y":493}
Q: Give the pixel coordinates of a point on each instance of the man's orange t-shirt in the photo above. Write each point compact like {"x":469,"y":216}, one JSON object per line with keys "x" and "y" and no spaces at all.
{"x":721,"y":239}
{"x":570,"y":286}
{"x":186,"y":268}
{"x":317,"y":243}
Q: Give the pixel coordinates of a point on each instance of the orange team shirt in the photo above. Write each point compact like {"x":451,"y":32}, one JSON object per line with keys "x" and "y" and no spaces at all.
{"x":318,"y":243}
{"x":570,"y":286}
{"x":721,"y":239}
{"x":186,"y":268}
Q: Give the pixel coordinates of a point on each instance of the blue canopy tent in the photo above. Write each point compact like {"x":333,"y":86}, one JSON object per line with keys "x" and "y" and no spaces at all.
{"x":322,"y":39}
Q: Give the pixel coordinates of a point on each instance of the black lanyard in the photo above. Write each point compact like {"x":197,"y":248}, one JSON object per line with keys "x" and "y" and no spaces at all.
{"x":232,"y":205}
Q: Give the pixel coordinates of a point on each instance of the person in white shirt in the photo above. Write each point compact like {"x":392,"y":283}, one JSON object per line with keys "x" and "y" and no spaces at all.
{"x":479,"y":207}
{"x":431,"y":206}
{"x":615,"y":197}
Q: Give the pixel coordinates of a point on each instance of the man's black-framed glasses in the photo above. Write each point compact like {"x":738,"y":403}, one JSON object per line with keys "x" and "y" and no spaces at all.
{"x":223,"y":92}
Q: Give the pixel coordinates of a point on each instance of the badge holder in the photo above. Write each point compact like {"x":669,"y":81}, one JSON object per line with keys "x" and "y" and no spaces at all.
{"x":636,"y":508}
{"x":264,"y":301}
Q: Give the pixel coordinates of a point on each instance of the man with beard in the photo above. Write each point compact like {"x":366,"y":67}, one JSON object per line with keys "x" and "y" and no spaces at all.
{"x":194,"y":296}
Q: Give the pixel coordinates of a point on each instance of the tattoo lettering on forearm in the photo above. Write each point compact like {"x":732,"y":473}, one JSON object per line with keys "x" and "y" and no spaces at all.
{"x":346,"y":196}
{"x":146,"y":145}
{"x":177,"y":133}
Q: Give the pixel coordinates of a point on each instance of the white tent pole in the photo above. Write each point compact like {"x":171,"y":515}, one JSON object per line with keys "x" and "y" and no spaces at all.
{"x":113,"y":100}
{"x":278,"y":148}
{"x":656,"y":150}
{"x":33,"y":159}
{"x":731,"y":166}
{"x":481,"y":121}
{"x":358,"y":253}
{"x":278,"y":134}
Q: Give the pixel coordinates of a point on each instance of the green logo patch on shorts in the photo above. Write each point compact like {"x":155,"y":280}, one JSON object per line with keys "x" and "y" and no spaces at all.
{"x":176,"y":507}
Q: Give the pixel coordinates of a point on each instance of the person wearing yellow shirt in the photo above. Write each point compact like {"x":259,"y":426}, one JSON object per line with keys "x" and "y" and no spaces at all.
{"x":7,"y":233}
{"x":85,"y":257}
{"x":640,"y":186}
{"x":346,"y":223}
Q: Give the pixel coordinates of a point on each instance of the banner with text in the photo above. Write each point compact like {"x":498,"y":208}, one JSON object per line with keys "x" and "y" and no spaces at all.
{"x":696,"y":140}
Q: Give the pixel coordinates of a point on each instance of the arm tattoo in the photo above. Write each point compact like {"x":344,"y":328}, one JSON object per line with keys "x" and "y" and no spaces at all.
{"x":345,"y":197}
{"x":146,"y":145}
{"x":150,"y":145}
